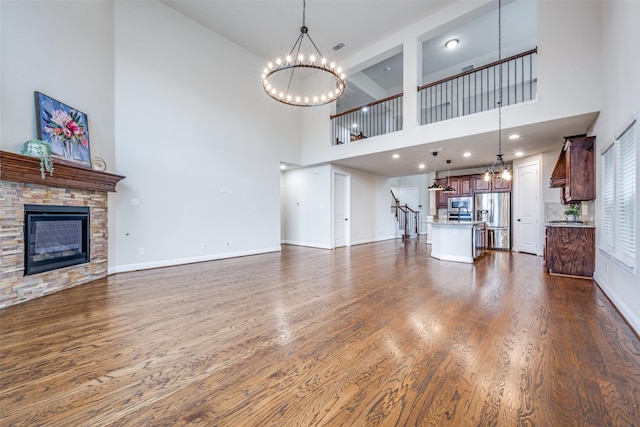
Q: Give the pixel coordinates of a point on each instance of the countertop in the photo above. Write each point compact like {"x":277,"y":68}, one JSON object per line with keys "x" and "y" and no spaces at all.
{"x":456,"y":223}
{"x":570,"y":224}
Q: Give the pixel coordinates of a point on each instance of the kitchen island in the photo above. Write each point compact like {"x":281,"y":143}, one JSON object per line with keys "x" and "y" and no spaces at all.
{"x":462,"y":241}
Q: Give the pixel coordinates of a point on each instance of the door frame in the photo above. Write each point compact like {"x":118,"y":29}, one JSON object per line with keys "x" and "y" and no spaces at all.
{"x":517,"y":197}
{"x":347,"y":207}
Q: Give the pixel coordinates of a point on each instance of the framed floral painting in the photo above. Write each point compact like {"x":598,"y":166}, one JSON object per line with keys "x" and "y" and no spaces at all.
{"x":64,"y":128}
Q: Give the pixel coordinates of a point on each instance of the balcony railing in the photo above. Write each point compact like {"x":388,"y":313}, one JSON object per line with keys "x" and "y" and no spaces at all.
{"x":377,"y":118}
{"x":477,"y":90}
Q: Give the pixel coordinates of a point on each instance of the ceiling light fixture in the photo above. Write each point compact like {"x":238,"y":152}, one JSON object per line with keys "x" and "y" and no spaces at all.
{"x":498,"y":168}
{"x":435,"y":186}
{"x":467,"y":154}
{"x":514,"y":136}
{"x":448,"y":188}
{"x":451,"y":44}
{"x":281,"y":82}
{"x":395,"y":156}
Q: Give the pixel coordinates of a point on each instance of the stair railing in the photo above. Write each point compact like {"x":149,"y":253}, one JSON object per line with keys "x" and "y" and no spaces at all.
{"x":407,"y":217}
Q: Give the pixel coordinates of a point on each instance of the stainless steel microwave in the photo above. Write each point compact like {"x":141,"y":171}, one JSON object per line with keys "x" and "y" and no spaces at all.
{"x":460,"y":203}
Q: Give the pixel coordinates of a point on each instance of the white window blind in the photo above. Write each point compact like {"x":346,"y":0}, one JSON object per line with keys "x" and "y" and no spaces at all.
{"x":608,"y":187}
{"x":625,"y":195}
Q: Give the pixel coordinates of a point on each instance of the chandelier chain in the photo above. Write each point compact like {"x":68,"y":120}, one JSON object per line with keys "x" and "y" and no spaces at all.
{"x":500,"y":79}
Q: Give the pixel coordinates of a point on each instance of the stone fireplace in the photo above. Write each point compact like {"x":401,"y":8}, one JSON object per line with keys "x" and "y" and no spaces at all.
{"x":70,"y":186}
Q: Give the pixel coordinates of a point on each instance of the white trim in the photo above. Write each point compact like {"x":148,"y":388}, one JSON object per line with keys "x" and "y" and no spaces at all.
{"x":455,"y":258}
{"x":190,"y":260}
{"x":306,"y":244}
{"x":624,"y":310}
{"x":378,"y":239}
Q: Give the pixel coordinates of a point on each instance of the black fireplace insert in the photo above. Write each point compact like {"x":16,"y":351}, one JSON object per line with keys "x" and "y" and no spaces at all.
{"x":55,"y":237}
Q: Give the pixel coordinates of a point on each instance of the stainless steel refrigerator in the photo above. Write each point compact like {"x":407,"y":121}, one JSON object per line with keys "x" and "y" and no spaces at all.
{"x":495,"y":210}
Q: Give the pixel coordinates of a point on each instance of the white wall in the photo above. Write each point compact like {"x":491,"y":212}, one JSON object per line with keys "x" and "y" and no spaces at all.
{"x":71,"y":63}
{"x":206,"y":181}
{"x":621,"y":88}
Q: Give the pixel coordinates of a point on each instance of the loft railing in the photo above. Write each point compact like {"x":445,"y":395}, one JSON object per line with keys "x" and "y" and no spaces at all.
{"x":407,"y":218}
{"x":477,"y":90}
{"x":377,"y":118}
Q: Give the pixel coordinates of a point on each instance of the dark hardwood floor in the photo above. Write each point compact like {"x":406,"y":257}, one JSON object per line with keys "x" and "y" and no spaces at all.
{"x":377,"y":334}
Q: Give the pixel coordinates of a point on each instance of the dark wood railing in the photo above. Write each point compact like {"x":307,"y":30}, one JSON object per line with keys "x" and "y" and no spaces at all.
{"x":376,"y":118}
{"x":477,"y":90}
{"x":407,"y":217}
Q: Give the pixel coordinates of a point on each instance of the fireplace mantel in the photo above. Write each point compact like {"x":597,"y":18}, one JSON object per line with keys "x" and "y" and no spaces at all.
{"x":19,"y":168}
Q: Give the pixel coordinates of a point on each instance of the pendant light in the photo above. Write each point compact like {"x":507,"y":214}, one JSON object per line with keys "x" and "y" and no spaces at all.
{"x":448,"y":188}
{"x":435,"y":186}
{"x":498,"y":168}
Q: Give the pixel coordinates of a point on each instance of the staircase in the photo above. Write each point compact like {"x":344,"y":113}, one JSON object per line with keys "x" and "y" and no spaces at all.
{"x":406,"y":218}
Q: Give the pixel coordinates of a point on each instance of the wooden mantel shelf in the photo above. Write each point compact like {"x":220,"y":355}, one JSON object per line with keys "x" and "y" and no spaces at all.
{"x":19,"y":168}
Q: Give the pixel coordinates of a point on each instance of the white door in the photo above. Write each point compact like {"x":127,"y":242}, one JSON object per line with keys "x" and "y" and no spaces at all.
{"x":527,"y":208}
{"x":409,"y":197}
{"x":341,"y":196}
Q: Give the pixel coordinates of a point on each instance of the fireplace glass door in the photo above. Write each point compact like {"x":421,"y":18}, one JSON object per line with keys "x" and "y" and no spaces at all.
{"x":55,"y":237}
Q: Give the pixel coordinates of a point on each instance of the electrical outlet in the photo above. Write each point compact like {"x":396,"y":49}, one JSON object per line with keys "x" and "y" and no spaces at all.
{"x":135,"y":202}
{"x":204,"y":245}
{"x":606,"y":267}
{"x":141,"y":251}
{"x":229,"y":243}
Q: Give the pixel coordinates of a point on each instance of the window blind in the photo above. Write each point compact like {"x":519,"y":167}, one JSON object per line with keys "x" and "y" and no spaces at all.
{"x":625,"y":194}
{"x":608,"y":198}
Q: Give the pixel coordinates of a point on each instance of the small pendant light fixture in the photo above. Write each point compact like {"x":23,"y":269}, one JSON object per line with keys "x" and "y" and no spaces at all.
{"x":448,"y":188}
{"x":317,"y":81}
{"x":498,"y":168}
{"x":435,"y":186}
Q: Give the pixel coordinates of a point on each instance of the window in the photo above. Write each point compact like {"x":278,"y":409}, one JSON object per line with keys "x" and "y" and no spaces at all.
{"x":619,"y":198}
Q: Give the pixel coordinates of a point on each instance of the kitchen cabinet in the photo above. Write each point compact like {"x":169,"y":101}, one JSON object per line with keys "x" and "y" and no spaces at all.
{"x":570,"y":250}
{"x":580,"y":169}
{"x":575,"y":170}
{"x":493,"y":185}
{"x":465,"y":186}
{"x":441,"y":198}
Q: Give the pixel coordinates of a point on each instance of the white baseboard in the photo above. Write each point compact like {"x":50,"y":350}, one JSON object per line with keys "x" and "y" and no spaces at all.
{"x":190,"y":260}
{"x":626,"y":312}
{"x":306,"y":244}
{"x":379,"y":239}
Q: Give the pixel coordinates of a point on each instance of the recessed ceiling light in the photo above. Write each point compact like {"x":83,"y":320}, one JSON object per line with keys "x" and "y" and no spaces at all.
{"x":421,"y":166}
{"x":467,"y":154}
{"x":365,"y":109}
{"x":388,"y":69}
{"x":355,"y":125}
{"x":451,"y":44}
{"x":282,"y":167}
{"x":395,"y":156}
{"x":519,"y":154}
{"x":514,"y":136}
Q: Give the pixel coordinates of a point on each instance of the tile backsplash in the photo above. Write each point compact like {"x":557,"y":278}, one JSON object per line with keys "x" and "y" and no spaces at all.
{"x":554,"y":211}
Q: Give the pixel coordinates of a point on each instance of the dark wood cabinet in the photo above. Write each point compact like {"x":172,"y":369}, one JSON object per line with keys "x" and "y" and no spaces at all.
{"x":465,"y":186}
{"x":441,"y":198}
{"x":494,"y":184}
{"x":580,"y":182}
{"x":570,"y":250}
{"x":480,"y":185}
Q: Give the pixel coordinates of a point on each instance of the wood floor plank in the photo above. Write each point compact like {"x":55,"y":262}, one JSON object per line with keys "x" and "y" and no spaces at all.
{"x":373,"y":335}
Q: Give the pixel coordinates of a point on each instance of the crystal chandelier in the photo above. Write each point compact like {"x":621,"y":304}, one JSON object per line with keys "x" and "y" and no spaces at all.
{"x":498,"y":168}
{"x":303,"y":79}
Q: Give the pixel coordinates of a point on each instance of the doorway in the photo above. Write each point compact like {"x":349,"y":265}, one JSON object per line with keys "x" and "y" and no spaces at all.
{"x":341,"y":209}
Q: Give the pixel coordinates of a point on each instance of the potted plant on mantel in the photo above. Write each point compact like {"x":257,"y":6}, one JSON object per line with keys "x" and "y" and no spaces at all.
{"x":42,"y":150}
{"x":572,"y":212}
